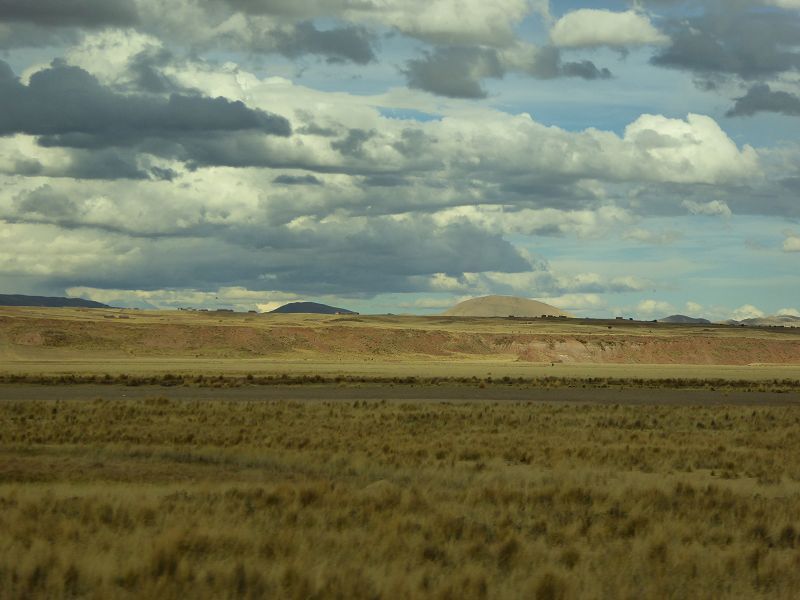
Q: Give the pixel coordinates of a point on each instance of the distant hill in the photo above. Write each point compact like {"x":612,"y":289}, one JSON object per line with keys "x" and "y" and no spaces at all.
{"x":312,"y":308}
{"x":51,"y":302}
{"x":503,"y":306}
{"x":771,"y":321}
{"x":684,"y":320}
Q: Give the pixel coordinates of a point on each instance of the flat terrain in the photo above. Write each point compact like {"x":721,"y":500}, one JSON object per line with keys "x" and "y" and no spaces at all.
{"x":57,"y":341}
{"x":176,"y":495}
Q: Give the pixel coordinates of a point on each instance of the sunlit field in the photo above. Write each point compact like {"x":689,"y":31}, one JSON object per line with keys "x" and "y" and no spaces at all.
{"x":167,"y":498}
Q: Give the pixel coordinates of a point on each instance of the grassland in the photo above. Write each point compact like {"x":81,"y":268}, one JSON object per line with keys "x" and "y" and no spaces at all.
{"x":172,"y":498}
{"x":202,"y":455}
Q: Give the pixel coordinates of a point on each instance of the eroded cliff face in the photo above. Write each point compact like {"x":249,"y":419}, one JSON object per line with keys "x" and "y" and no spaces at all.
{"x":43,"y":337}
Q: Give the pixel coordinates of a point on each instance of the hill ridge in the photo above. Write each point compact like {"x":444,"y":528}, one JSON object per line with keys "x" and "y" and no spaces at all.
{"x":48,"y":301}
{"x":503,"y":306}
{"x":311,"y":308}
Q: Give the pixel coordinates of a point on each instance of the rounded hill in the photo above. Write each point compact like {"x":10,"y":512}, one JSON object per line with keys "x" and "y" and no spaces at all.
{"x":504,"y":306}
{"x":312,"y":308}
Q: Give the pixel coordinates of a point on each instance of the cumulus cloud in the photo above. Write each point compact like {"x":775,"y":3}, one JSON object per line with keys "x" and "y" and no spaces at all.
{"x":792,"y":4}
{"x":545,"y":221}
{"x":761,"y":98}
{"x":143,"y":165}
{"x":68,"y":102}
{"x":650,"y":308}
{"x":788,"y":312}
{"x":65,"y":106}
{"x":747,"y":311}
{"x":714,"y":208}
{"x":733,"y":39}
{"x":459,"y":71}
{"x":60,"y":13}
{"x":338,"y":256}
{"x":349,"y":43}
{"x":478,"y":22}
{"x":454,"y":72}
{"x":588,"y":27}
{"x":237,"y":298}
{"x":577,"y":303}
{"x":646,"y":236}
{"x":791,"y":243}
{"x":694,"y":308}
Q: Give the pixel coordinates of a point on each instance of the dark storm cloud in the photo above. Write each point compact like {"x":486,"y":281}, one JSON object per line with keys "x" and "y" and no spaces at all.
{"x":458,"y":71}
{"x":104,"y":164}
{"x":389,"y":181}
{"x":27,"y":35}
{"x":67,"y":13}
{"x":761,"y":98}
{"x":296,"y":8}
{"x":297,"y":180}
{"x":378,"y":256}
{"x":733,"y":40}
{"x":350,"y":43}
{"x":68,"y":107}
{"x":455,"y":72}
{"x":46,"y":202}
{"x":353,"y":144}
{"x":585,"y":69}
{"x":146,"y":73}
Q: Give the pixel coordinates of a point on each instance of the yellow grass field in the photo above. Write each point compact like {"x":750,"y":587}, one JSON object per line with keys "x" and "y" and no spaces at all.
{"x":226,"y":499}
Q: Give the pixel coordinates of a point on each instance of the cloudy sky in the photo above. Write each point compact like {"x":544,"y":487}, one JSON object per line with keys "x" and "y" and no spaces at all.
{"x":637,"y":158}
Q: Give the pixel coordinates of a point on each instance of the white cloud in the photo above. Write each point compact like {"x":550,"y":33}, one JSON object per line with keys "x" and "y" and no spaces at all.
{"x":788,"y":312}
{"x":692,"y":150}
{"x":580,"y":223}
{"x":748,"y":311}
{"x":436,"y":21}
{"x":652,"y":308}
{"x":448,"y":21}
{"x":238,"y":298}
{"x":428,"y":302}
{"x":791,"y":243}
{"x":646,"y":236}
{"x":577,"y":303}
{"x":693,"y":308}
{"x":791,"y":4}
{"x":588,"y":27}
{"x":713,"y":208}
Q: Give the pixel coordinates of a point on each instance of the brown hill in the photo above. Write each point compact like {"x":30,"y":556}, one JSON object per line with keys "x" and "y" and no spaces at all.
{"x":504,"y":306}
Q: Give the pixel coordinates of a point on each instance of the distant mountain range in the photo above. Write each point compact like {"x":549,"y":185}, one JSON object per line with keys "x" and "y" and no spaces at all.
{"x":51,"y":302}
{"x":684,"y":320}
{"x":311,"y":308}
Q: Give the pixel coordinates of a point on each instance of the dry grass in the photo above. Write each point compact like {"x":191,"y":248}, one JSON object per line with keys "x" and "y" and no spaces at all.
{"x":168,"y":499}
{"x":786,"y":385}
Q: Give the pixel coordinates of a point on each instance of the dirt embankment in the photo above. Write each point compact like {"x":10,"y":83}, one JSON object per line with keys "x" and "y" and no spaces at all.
{"x":42,"y":337}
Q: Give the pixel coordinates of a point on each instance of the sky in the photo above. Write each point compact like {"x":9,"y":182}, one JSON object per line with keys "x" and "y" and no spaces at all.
{"x":612,"y":158}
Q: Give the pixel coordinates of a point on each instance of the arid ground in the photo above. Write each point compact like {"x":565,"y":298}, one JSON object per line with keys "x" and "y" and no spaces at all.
{"x":209,"y":455}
